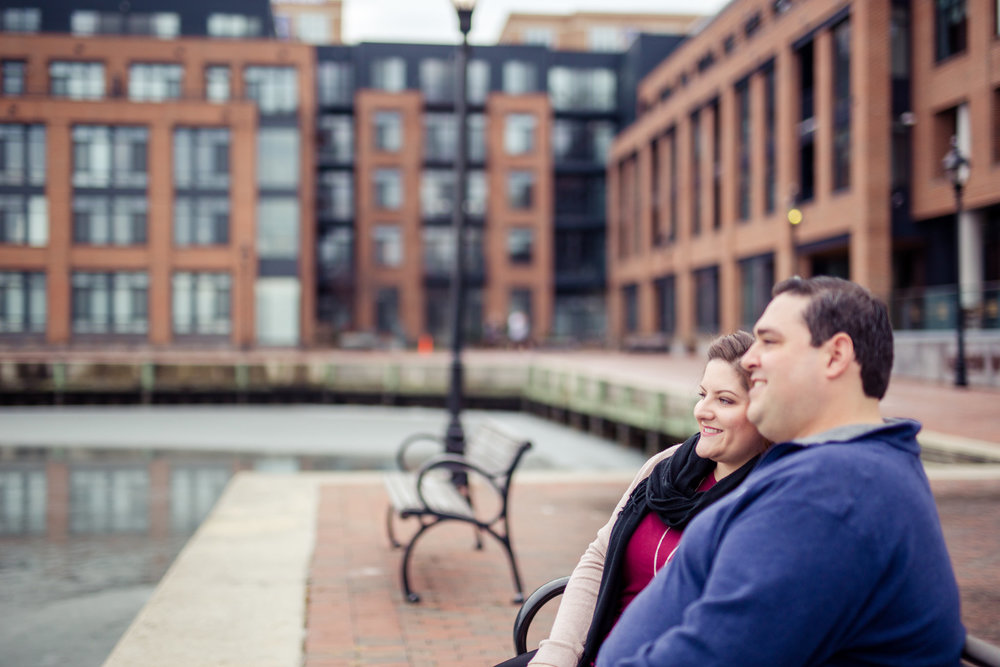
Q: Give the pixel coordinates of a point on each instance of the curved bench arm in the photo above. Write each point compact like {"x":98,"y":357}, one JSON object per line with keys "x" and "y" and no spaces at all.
{"x":451,"y":462}
{"x":411,"y":440}
{"x":980,"y":653}
{"x":531,"y":607}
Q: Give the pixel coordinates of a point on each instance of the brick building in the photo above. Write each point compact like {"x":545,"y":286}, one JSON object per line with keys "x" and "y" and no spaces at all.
{"x":840,"y":111}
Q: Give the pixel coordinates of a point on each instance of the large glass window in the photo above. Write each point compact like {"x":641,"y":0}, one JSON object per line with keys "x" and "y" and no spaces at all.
{"x":278,"y":157}
{"x":756,"y":281}
{"x":696,"y":158}
{"x":630,"y":309}
{"x":153,"y":82}
{"x":666,"y":304}
{"x":439,"y":250}
{"x":437,"y":193}
{"x":233,"y":25}
{"x":22,"y":154}
{"x":807,"y":122}
{"x":388,"y":188}
{"x":437,"y":80}
{"x":85,"y":22}
{"x":20,"y":19}
{"x":478,"y":82}
{"x":476,"y":132}
{"x":387,"y":241}
{"x":336,"y":139}
{"x":706,"y":293}
{"x":278,"y":228}
{"x":743,"y":146}
{"x":950,"y":27}
{"x":336,"y":251}
{"x":24,"y":220}
{"x":201,"y":158}
{"x":519,"y":133}
{"x":388,"y":131}
{"x":389,"y":74}
{"x":218,"y":86}
{"x":201,"y":220}
{"x":13,"y":77}
{"x":277,"y":310}
{"x":76,"y":80}
{"x":520,"y":189}
{"x":22,"y":302}
{"x":201,"y":303}
{"x":582,"y":89}
{"x":336,"y":83}
{"x":274,"y":89}
{"x":105,"y":220}
{"x":520,"y":245}
{"x":114,"y":302}
{"x":336,"y":195}
{"x":842,"y":105}
{"x":519,"y":77}
{"x":580,"y":196}
{"x":770,"y":133}
{"x":440,"y":142}
{"x":110,"y":156}
{"x":582,"y":141}
{"x":387,"y":311}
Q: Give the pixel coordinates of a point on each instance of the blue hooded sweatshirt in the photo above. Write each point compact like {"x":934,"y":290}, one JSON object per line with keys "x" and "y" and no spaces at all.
{"x":830,"y":553}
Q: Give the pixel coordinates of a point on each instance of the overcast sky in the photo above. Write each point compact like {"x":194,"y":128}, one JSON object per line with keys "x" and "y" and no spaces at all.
{"x":435,"y":20}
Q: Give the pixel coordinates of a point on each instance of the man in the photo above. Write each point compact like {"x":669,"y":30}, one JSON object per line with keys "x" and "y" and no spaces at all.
{"x":831,"y":552}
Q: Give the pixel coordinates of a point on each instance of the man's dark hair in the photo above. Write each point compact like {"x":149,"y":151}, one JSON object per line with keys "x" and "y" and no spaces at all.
{"x":837,"y":305}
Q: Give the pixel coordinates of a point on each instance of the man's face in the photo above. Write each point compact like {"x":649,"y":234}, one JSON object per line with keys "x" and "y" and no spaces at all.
{"x":785,"y":371}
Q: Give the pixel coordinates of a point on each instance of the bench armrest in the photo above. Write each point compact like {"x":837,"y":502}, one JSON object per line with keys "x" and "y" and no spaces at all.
{"x":980,"y":653}
{"x":531,"y":607}
{"x":412,"y":440}
{"x":452,"y":462}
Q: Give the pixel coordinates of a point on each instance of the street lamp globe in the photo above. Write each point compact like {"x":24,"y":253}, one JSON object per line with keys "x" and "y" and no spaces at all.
{"x":464,"y":9}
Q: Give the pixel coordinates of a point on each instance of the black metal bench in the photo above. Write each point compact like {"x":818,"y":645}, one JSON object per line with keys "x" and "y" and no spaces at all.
{"x":429,"y":492}
{"x":976,"y":653}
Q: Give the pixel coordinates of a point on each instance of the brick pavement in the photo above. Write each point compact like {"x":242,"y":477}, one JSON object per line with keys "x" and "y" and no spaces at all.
{"x":356,"y":614}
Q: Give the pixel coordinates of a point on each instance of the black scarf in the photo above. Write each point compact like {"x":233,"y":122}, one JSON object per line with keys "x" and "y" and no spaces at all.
{"x":672,"y":489}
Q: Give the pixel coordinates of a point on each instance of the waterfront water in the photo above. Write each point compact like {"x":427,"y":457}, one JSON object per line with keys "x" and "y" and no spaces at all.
{"x":95,"y":503}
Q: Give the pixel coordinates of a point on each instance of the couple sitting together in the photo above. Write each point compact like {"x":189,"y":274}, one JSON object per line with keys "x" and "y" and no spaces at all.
{"x":810,"y":535}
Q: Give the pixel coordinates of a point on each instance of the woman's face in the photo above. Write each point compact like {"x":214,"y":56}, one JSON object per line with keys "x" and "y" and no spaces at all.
{"x":727,"y":437}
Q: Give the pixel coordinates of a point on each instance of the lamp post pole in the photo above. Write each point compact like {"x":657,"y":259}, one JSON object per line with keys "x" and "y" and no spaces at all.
{"x":455,"y":435}
{"x":956,"y":166}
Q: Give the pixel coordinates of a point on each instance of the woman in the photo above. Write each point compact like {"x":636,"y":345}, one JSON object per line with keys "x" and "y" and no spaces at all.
{"x":646,"y":526}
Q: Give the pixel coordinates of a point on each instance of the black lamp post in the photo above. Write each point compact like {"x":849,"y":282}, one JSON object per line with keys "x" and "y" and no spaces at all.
{"x":455,"y":436}
{"x":956,"y":166}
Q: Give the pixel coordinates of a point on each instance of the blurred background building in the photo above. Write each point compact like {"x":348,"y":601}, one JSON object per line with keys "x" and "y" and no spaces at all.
{"x":226,"y":172}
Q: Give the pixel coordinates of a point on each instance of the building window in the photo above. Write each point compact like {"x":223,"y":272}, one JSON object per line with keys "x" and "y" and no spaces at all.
{"x":24,"y":220}
{"x":336,"y":195}
{"x":104,"y":220}
{"x":807,"y":124}
{"x":110,"y":156}
{"x":770,"y":151}
{"x":110,"y":303}
{"x":630,"y":309}
{"x":274,"y":89}
{"x":165,"y":25}
{"x":201,"y":158}
{"x":580,"y":196}
{"x":201,"y":220}
{"x":950,"y":27}
{"x":388,"y":131}
{"x":336,"y":83}
{"x":23,"y":302}
{"x":336,"y":252}
{"x":706,"y":300}
{"x":437,"y":193}
{"x":218,"y":87}
{"x":520,"y":189}
{"x":439,"y":250}
{"x":476,"y":130}
{"x":440,"y":142}
{"x":519,"y":77}
{"x":945,"y":127}
{"x":76,"y":80}
{"x":582,"y":141}
{"x":233,"y":25}
{"x":842,"y":105}
{"x":387,"y":242}
{"x":387,"y":311}
{"x":336,"y":139}
{"x":756,"y":281}
{"x":657,"y":237}
{"x":313,"y":28}
{"x":672,"y":189}
{"x":538,"y":35}
{"x":666,"y":305}
{"x":437,"y":81}
{"x":389,"y":74}
{"x":607,"y":38}
{"x":276,"y":306}
{"x":716,"y":164}
{"x":278,"y":157}
{"x":22,"y":155}
{"x":696,"y":149}
{"x":519,"y":133}
{"x":582,"y":89}
{"x":519,"y":301}
{"x":476,"y":193}
{"x":477,"y":82}
{"x":743,"y":139}
{"x":278,"y":228}
{"x":21,"y":19}
{"x":388,"y":189}
{"x":201,"y":303}
{"x":520,"y":245}
{"x":13,"y":77}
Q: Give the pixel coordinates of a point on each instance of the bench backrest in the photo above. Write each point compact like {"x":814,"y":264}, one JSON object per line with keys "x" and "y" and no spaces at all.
{"x":495,"y":450}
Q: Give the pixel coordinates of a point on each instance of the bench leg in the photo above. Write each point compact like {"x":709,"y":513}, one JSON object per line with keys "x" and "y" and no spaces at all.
{"x":505,"y":541}
{"x":388,"y":528}
{"x":408,"y":594}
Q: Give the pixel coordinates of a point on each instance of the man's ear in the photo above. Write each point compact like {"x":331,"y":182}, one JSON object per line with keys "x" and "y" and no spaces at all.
{"x":840,"y":354}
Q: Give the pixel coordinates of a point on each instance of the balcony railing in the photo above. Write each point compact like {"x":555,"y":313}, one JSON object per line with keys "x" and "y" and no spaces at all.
{"x":933,"y":308}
